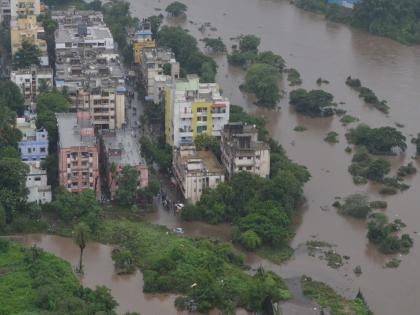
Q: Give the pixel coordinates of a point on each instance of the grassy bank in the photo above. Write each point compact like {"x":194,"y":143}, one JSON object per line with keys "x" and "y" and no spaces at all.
{"x":206,"y":273}
{"x":328,"y":299}
{"x":35,"y":282}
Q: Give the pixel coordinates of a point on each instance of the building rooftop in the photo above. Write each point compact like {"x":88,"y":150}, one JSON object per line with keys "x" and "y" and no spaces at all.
{"x":73,"y":17}
{"x":123,"y":148}
{"x":158,"y":54}
{"x":71,"y":34}
{"x":243,"y":137}
{"x":75,"y":131}
{"x":199,"y":160}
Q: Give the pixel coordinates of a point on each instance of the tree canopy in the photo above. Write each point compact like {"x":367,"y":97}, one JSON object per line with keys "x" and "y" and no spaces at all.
{"x":11,"y":97}
{"x":262,"y":80}
{"x":26,"y":56}
{"x":176,"y":8}
{"x":381,"y":140}
{"x":127,"y":182}
{"x":315,"y":103}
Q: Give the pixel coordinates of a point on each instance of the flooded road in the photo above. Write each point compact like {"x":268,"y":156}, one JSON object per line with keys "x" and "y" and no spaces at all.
{"x":317,"y":48}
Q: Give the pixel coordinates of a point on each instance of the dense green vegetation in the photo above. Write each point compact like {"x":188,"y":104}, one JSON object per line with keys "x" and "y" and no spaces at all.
{"x":327,"y":298}
{"x":315,"y":103}
{"x":206,"y":274}
{"x":367,"y":95}
{"x":262,"y":81}
{"x":385,"y":235}
{"x":260,"y":209}
{"x":35,"y":282}
{"x":356,"y":205}
{"x":364,"y":167}
{"x":191,"y":59}
{"x":237,"y":114}
{"x":396,"y":19}
{"x":348,"y":119}
{"x":383,"y":140}
{"x":176,"y":9}
{"x":406,"y":170}
{"x":293,"y":76}
{"x":331,"y":137}
{"x":264,"y":70}
{"x":216,"y":45}
{"x":159,"y":153}
{"x":117,"y":17}
{"x":26,"y":56}
{"x":11,"y":100}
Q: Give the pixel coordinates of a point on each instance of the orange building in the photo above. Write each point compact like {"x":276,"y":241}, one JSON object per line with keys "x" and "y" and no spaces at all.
{"x":142,"y":39}
{"x":78,"y":161}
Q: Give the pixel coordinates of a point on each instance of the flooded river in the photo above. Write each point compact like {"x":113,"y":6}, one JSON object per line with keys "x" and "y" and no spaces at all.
{"x":317,"y":48}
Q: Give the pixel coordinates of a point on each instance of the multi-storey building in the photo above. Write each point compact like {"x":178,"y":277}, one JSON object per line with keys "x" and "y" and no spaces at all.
{"x":36,"y":183}
{"x":142,"y":39}
{"x":196,"y":171}
{"x":193,"y":108}
{"x":5,"y":11}
{"x":153,"y":73}
{"x":78,"y":163}
{"x":34,"y":143}
{"x":121,"y":149}
{"x":89,"y":67}
{"x":242,"y":151}
{"x":29,"y":80}
{"x":22,"y":8}
{"x":28,"y":29}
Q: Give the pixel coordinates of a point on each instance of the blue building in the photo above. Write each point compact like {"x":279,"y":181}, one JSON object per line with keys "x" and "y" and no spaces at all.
{"x":34,"y":144}
{"x":344,"y":3}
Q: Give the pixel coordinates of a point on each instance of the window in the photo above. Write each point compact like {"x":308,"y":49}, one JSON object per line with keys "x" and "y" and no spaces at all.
{"x":240,"y":157}
{"x":249,"y":168}
{"x":42,"y":150}
{"x":258,"y":157}
{"x":29,"y":150}
{"x":37,"y":179}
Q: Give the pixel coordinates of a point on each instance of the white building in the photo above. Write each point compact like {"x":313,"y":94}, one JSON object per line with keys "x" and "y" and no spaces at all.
{"x":29,"y":81}
{"x":24,"y":7}
{"x":36,"y":183}
{"x":242,"y":151}
{"x":195,"y":171}
{"x":153,"y":61}
{"x":83,"y":36}
{"x":193,"y":108}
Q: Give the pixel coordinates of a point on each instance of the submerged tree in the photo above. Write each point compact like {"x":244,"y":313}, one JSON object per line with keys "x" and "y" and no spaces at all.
{"x":81,"y":237}
{"x":176,"y":8}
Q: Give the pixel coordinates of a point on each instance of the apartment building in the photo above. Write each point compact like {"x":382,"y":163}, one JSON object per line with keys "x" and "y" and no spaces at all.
{"x":36,"y":183}
{"x":89,"y":67}
{"x":29,"y":80}
{"x":158,"y":69}
{"x":78,"y":162}
{"x":142,"y":39}
{"x":193,"y":108}
{"x":122,"y":148}
{"x":196,"y":171}
{"x":34,"y":143}
{"x":242,"y":151}
{"x":22,"y":8}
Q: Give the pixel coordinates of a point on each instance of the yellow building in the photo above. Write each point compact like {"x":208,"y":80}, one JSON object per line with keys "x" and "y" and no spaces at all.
{"x":22,"y":8}
{"x":193,"y":108}
{"x":27,"y":28}
{"x":143,"y":39}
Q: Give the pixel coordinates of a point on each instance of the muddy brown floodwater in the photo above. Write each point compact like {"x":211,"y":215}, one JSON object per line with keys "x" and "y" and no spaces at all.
{"x":317,"y":48}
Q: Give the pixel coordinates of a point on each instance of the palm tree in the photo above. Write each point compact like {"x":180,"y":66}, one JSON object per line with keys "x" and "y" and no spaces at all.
{"x":81,"y":237}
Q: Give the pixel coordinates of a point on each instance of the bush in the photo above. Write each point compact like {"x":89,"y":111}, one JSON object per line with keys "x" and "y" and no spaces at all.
{"x":356,"y":205}
{"x":315,"y":103}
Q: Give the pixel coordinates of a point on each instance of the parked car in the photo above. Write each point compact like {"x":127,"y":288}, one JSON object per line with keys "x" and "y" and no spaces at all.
{"x":178,"y":230}
{"x":179,"y":206}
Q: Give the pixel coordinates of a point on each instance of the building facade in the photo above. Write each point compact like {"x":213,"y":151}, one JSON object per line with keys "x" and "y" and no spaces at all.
{"x":195,"y":171}
{"x":5,"y":11}
{"x":36,"y":183}
{"x":21,"y":8}
{"x":78,"y":160}
{"x":154,"y":77}
{"x":28,"y":29}
{"x":122,"y":149}
{"x":142,"y":39}
{"x":243,"y":152}
{"x":29,"y":81}
{"x":193,"y":108}
{"x":34,"y":143}
{"x":89,"y":68}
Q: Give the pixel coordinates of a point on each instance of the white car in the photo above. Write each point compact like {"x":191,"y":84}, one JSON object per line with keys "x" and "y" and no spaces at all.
{"x":178,"y":230}
{"x":179,"y":206}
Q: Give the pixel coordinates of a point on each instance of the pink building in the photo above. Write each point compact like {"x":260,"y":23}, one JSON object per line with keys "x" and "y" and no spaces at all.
{"x":122,"y":148}
{"x":78,"y":162}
